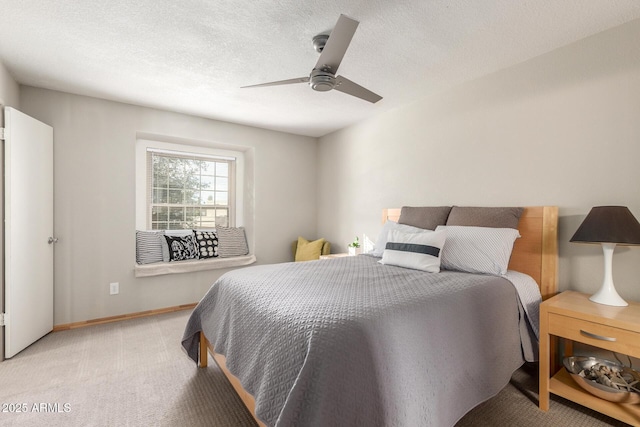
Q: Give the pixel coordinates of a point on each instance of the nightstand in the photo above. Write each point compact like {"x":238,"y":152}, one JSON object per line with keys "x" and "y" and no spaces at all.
{"x":572,"y":316}
{"x":331,"y":256}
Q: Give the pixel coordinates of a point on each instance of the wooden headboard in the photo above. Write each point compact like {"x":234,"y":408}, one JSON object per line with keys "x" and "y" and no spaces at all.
{"x":536,"y":252}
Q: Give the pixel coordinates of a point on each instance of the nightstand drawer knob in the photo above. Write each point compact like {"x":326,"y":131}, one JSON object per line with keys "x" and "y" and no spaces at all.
{"x":597,"y":337}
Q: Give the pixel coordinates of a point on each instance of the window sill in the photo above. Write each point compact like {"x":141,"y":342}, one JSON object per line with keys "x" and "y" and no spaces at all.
{"x":160,"y":268}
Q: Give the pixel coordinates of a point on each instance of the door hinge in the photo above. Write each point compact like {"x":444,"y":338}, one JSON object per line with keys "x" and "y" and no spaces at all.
{"x":1,"y":319}
{"x":1,"y":134}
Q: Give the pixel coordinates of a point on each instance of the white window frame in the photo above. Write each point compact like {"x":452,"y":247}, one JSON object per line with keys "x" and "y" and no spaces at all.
{"x":142,"y":187}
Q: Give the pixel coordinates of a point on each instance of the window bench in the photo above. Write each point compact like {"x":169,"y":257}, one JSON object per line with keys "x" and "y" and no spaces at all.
{"x":175,"y":267}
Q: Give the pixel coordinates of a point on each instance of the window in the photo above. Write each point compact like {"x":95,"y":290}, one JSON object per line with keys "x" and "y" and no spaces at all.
{"x":187,"y":191}
{"x":186,"y":184}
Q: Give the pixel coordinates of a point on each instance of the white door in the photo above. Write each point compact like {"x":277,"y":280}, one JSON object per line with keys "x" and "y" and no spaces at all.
{"x":28,"y":192}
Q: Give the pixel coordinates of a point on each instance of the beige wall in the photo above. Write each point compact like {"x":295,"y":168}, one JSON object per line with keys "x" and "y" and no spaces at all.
{"x":9,"y":96}
{"x":562,"y":129}
{"x":9,"y":89}
{"x":94,"y":163}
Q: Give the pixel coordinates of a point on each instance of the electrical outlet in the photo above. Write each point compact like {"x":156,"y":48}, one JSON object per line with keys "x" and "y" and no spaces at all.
{"x":114,"y":288}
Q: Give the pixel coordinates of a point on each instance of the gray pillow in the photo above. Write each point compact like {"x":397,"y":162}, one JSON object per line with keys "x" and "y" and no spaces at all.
{"x":426,"y":217}
{"x":231,"y":242}
{"x":485,"y":217}
{"x":483,"y":250}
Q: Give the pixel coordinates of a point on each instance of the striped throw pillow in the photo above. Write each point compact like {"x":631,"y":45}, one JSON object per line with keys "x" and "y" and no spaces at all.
{"x":481,"y":250}
{"x":231,"y":242}
{"x":148,"y":247}
{"x":419,"y":251}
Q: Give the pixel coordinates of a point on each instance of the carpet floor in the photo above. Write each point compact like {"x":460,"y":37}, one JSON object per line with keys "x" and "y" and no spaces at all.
{"x":134,"y":373}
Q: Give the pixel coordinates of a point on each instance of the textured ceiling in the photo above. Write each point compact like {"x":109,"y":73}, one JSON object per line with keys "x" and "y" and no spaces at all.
{"x":192,"y":56}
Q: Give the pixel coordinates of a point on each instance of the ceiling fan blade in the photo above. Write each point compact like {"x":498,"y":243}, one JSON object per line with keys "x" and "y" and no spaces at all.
{"x":337,"y":44}
{"x":281,"y":82}
{"x":347,"y":86}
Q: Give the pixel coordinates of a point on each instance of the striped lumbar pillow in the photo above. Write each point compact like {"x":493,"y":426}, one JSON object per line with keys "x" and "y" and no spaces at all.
{"x":420,"y":251}
{"x":231,"y":242}
{"x":148,"y":247}
{"x":482,"y":250}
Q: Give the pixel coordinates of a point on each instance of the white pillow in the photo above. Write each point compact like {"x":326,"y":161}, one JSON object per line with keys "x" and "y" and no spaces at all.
{"x":482,"y":250}
{"x":381,"y":242}
{"x":420,"y":251}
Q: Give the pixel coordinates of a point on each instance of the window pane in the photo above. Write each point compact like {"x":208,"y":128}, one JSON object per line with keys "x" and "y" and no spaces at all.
{"x":159,"y":195}
{"x":207,"y":197}
{"x":222,"y":217}
{"x":159,"y":213}
{"x":176,"y":196}
{"x":207,"y":168}
{"x":176,"y":214}
{"x":222,"y":184}
{"x":192,"y":167}
{"x":222,"y":198}
{"x":208,"y":214}
{"x":160,"y":168}
{"x":207,"y":182}
{"x":192,"y":214}
{"x":191,"y":181}
{"x":159,"y":180}
{"x":222,"y":169}
{"x":176,"y":181}
{"x":192,"y":197}
{"x":159,"y":225}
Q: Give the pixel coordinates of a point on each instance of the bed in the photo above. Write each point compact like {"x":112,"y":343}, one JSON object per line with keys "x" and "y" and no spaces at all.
{"x":349,"y":341}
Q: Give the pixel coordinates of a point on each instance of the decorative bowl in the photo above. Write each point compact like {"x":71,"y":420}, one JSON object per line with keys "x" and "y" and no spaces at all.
{"x":577,"y":366}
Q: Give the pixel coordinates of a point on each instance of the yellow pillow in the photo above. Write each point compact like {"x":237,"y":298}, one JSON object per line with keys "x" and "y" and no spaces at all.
{"x":308,"y":251}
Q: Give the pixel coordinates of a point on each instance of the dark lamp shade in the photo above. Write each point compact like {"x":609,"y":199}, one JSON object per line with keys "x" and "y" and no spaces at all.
{"x":609,"y":224}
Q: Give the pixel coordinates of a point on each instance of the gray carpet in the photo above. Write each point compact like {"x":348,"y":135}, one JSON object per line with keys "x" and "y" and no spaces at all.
{"x":134,"y":373}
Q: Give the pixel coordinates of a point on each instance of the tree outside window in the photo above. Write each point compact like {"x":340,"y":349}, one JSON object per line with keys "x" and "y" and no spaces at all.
{"x":189,"y":191}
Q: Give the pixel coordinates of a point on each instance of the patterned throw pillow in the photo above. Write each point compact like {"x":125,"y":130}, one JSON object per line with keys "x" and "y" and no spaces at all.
{"x":207,"y":243}
{"x":182,"y":247}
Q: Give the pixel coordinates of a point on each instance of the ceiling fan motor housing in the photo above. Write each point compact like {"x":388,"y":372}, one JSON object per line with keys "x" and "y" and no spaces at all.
{"x":319,"y":41}
{"x":321,"y":80}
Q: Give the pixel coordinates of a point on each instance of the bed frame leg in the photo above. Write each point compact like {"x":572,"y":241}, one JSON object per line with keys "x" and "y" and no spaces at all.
{"x":204,"y":353}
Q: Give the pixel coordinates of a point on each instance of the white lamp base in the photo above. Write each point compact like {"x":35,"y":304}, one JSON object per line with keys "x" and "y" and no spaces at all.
{"x":607,"y":294}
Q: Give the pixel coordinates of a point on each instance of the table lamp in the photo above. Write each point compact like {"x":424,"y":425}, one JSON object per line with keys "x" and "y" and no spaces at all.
{"x":609,"y":226}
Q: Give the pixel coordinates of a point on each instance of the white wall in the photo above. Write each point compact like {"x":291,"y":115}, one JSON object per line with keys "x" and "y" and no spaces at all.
{"x":562,"y":129}
{"x":94,"y":162}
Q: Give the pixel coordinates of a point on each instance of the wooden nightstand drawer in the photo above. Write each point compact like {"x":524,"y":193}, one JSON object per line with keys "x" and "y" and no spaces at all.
{"x":596,"y":334}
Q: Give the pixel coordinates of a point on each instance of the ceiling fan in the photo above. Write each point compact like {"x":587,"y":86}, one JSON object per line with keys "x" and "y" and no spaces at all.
{"x":332,"y":48}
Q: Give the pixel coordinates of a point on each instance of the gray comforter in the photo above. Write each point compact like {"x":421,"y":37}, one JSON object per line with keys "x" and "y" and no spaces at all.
{"x":351,"y":342}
